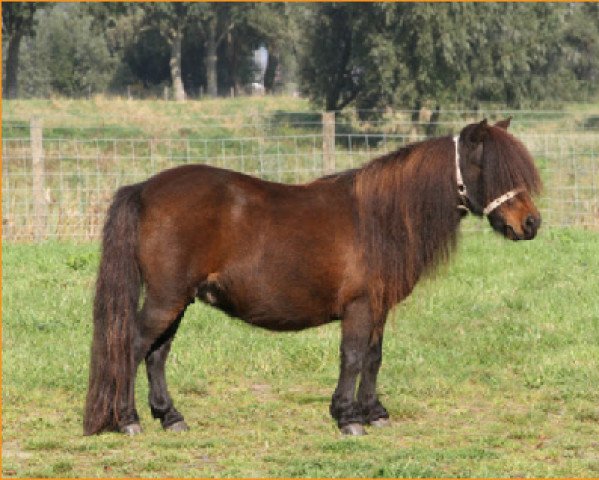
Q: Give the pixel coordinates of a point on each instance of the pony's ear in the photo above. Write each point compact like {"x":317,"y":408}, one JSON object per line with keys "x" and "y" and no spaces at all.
{"x":504,"y":123}
{"x":479,"y":132}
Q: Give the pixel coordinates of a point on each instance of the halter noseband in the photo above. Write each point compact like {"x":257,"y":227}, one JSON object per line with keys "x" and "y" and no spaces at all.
{"x":464,"y":193}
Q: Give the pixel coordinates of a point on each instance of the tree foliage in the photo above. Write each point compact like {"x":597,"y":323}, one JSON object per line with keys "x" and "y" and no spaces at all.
{"x":406,"y":54}
{"x":18,"y":21}
{"x":66,"y":57}
{"x":369,"y":56}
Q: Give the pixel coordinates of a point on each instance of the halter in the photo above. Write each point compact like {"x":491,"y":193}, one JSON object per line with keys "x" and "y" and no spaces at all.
{"x":464,"y":193}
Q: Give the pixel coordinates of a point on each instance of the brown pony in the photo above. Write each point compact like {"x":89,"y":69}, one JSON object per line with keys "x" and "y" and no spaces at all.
{"x":345,"y":247}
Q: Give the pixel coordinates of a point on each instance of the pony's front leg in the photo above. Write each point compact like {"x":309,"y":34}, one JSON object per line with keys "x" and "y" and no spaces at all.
{"x":370,"y":406}
{"x":356,"y":326}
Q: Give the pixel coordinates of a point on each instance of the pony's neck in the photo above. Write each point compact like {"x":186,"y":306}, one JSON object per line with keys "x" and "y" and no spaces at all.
{"x":408,"y":217}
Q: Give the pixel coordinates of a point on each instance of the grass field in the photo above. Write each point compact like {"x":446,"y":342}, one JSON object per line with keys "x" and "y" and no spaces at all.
{"x":91,"y":147}
{"x":490,"y":369}
{"x":217,"y":118}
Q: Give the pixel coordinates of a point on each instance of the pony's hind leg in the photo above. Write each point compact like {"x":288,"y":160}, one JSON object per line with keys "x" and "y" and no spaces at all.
{"x":128,"y":421}
{"x":153,"y":324}
{"x":368,"y":401}
{"x":355,"y":330}
{"x":129,"y":418}
{"x":161,"y":403}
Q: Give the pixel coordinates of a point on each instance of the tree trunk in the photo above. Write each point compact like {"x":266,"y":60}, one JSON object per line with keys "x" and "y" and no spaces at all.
{"x":175,"y":64}
{"x":335,"y":92}
{"x":233,"y":59}
{"x":271,"y":70}
{"x":210,"y":59}
{"x":10,"y":89}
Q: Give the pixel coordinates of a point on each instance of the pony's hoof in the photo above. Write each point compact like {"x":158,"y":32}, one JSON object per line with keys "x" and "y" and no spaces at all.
{"x":132,"y":429}
{"x":380,"y":422}
{"x":353,"y":429}
{"x":179,"y":426}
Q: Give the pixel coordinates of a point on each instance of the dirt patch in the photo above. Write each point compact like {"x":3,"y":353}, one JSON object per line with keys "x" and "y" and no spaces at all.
{"x":12,"y":450}
{"x":262,"y":391}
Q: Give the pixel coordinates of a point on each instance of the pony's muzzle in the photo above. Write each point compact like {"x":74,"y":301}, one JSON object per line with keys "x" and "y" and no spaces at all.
{"x":524,"y":230}
{"x":527,"y":231}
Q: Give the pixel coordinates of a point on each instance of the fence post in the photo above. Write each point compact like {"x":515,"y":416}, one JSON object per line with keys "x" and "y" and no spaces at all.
{"x":40,"y":209}
{"x":328,"y":142}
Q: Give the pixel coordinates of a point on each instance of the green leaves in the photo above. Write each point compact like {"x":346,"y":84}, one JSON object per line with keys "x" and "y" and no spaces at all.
{"x":370,"y":56}
{"x":514,"y":54}
{"x":67,"y":56}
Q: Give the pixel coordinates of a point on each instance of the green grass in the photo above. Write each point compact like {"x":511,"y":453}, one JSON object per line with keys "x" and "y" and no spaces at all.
{"x":106,"y":117}
{"x":112,"y":117}
{"x":490,"y":369}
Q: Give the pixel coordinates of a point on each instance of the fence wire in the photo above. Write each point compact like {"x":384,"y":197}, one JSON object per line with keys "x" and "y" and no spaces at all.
{"x":80,"y":175}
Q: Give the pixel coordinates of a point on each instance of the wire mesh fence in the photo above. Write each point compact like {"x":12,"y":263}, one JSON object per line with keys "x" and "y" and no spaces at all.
{"x":65,"y":193}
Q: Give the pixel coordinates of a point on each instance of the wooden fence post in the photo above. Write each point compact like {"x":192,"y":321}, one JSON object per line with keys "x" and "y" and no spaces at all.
{"x":328,"y":142}
{"x":38,"y":172}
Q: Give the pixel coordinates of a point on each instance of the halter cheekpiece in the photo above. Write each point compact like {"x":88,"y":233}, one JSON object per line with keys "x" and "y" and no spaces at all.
{"x":464,"y":193}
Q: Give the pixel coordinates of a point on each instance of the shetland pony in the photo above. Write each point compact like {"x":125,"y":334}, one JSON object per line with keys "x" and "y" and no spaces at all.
{"x":346,"y":247}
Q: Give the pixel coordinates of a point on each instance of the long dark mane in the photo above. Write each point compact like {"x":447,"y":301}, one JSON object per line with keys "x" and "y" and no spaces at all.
{"x":508,"y":165}
{"x":408,"y":217}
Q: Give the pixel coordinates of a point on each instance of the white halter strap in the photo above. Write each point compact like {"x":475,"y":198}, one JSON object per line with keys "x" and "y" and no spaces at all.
{"x":462,"y":187}
{"x":498,"y":201}
{"x":458,"y":170}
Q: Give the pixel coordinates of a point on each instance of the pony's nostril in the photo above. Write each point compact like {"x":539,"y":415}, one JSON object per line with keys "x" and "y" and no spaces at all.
{"x":530,"y":222}
{"x":530,"y":226}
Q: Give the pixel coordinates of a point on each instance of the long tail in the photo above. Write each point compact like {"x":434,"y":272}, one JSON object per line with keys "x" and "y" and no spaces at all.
{"x":115,"y":306}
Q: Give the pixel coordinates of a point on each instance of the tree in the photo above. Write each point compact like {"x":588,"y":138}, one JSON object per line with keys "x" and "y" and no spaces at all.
{"x":519,"y":60}
{"x":67,"y":56}
{"x":581,"y":45}
{"x":221,"y":37}
{"x":171,"y":19}
{"x":137,"y":40}
{"x":215,"y":21}
{"x":418,"y":53}
{"x":147,"y":60}
{"x":18,"y":21}
{"x":431,"y":47}
{"x":331,"y":67}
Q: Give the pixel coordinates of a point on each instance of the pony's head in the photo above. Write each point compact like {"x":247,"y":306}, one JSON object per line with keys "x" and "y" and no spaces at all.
{"x":499,"y":179}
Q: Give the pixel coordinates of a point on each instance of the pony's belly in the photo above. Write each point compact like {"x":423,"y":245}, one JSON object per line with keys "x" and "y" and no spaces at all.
{"x":288,"y":322}
{"x":278,"y":312}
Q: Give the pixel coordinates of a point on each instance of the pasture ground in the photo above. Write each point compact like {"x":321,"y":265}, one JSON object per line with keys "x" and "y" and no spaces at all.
{"x":490,"y":369}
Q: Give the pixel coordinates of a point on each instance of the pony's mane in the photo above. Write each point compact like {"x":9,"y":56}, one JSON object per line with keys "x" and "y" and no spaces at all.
{"x":508,"y":165}
{"x":408,"y":217}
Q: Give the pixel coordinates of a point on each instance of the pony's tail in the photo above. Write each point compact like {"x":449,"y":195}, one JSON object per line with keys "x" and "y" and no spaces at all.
{"x":115,"y":307}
